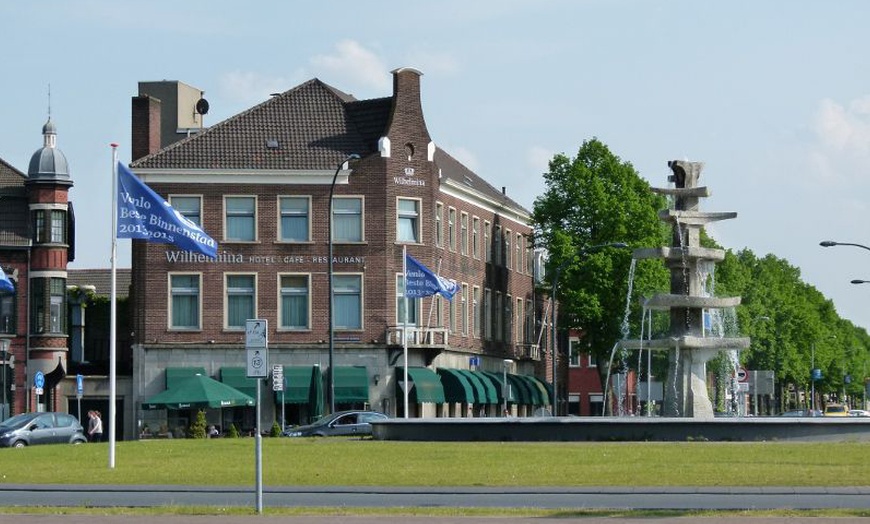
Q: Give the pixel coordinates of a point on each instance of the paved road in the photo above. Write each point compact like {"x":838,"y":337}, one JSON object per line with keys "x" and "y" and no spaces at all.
{"x":730,"y":498}
{"x":262,"y":519}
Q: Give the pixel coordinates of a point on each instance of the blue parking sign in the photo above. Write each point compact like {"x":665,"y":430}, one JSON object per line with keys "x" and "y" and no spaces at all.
{"x":39,"y":380}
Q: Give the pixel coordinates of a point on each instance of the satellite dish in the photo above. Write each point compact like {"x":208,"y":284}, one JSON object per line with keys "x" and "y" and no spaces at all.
{"x":202,"y":106}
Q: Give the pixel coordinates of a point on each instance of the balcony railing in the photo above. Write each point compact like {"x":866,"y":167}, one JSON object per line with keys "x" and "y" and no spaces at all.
{"x":417,"y":336}
{"x":527,"y":352}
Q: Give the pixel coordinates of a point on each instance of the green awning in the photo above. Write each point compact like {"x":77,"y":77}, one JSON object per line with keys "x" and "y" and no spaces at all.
{"x":298,"y":385}
{"x":351,"y":384}
{"x":173,"y":375}
{"x":520,"y":390}
{"x":476,"y":386}
{"x":496,"y":380}
{"x":456,"y":386}
{"x":198,"y":392}
{"x":543,"y":392}
{"x":486,"y":382}
{"x":426,"y":385}
{"x":237,"y":378}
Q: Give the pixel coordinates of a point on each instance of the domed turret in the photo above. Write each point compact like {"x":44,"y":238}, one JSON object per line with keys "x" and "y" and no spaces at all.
{"x":48,"y":163}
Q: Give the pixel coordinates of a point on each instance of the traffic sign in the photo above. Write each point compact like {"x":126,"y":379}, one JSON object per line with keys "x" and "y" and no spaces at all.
{"x":258,"y":363}
{"x":39,"y":380}
{"x":742,"y":375}
{"x":80,"y":386}
{"x":255,"y":333}
{"x":277,"y":377}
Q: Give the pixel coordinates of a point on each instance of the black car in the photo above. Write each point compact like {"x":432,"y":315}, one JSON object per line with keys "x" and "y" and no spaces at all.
{"x":28,"y":429}
{"x":345,"y":423}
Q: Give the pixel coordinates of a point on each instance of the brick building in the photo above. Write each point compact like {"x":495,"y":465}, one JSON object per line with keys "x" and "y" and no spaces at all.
{"x":259,"y":183}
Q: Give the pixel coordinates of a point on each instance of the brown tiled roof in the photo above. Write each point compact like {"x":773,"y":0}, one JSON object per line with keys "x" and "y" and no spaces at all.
{"x":101,"y":279}
{"x":14,"y":215}
{"x":310,"y":125}
{"x":456,"y":171}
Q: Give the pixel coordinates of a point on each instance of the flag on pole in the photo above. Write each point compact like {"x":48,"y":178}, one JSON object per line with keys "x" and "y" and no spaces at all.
{"x":6,"y":285}
{"x":145,"y":215}
{"x":420,"y":281}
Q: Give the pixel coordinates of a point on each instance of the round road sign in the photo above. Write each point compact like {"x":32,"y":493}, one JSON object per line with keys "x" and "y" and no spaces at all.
{"x":742,"y":375}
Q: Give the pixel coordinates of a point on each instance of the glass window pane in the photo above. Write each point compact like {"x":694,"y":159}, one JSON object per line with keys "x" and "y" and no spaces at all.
{"x":348,"y":301}
{"x":185,"y":301}
{"x":240,"y":219}
{"x":188,"y":206}
{"x":240,"y":300}
{"x":347,"y":220}
{"x":294,"y":219}
{"x":294,"y":302}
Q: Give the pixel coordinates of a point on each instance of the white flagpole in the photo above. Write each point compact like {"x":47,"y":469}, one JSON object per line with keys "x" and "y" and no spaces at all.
{"x":432,"y":305}
{"x":405,"y":330}
{"x":113,"y":309}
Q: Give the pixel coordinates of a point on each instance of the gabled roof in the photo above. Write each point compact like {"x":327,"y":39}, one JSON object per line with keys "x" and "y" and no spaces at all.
{"x":14,"y":215}
{"x":311,"y":126}
{"x":460,"y":175}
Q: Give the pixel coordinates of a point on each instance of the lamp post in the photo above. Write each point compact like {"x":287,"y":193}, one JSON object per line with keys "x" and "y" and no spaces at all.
{"x":831,"y":243}
{"x":859,"y":281}
{"x":504,"y":386}
{"x":330,"y":375}
{"x":4,"y":351}
{"x":579,"y":252}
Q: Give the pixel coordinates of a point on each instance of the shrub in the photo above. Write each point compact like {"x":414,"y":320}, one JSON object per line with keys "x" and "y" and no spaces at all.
{"x":276,"y":430}
{"x":198,"y":428}
{"x":233,"y":432}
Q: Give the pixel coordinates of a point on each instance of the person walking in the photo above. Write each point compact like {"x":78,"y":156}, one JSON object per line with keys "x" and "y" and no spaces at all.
{"x":95,"y":426}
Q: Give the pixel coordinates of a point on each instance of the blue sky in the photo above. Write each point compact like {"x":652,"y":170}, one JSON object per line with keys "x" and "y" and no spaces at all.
{"x":773,"y":96}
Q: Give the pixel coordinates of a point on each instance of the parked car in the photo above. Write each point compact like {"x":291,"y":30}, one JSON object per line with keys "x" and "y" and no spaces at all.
{"x":836,"y":410}
{"x":28,"y":429}
{"x":338,"y":424}
{"x":859,"y":413}
{"x":801,"y":413}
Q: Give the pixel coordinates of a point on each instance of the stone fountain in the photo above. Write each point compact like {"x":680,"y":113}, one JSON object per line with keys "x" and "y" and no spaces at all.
{"x":690,"y":344}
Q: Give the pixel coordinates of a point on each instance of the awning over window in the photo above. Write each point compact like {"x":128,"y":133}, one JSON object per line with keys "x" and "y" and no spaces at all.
{"x":519,"y":390}
{"x":492,"y":394}
{"x":173,"y":375}
{"x":496,"y":379}
{"x":237,"y":378}
{"x":480,"y":396}
{"x":543,"y":390}
{"x":351,"y":384}
{"x":198,"y":392}
{"x":457,"y":389}
{"x":300,"y":386}
{"x":425,"y":385}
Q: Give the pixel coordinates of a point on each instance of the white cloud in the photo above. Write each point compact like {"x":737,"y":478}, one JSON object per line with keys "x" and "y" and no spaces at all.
{"x":538,"y":159}
{"x":247,"y":88}
{"x":842,"y":147}
{"x":353,"y":64}
{"x":465,"y":156}
{"x":441,"y":63}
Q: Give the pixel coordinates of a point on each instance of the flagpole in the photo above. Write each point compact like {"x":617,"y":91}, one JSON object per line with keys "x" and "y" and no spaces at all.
{"x":405,"y":330}
{"x":113,"y":309}
{"x":432,"y":305}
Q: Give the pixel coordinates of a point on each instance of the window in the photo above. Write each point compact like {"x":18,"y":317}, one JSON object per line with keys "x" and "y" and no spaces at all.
{"x":347,"y":219}
{"x":37,"y":305}
{"x":475,"y":240}
{"x":508,"y":253}
{"x":184,"y":301}
{"x":574,"y":353}
{"x":39,"y":226}
{"x":439,"y":227}
{"x":475,"y":311}
{"x":463,"y":310}
{"x":463,"y":233}
{"x":593,"y":361}
{"x":530,"y":324}
{"x":497,"y":237}
{"x":295,"y":219}
{"x":509,"y":317}
{"x":241,"y":216}
{"x":58,"y":226}
{"x":518,"y":323}
{"x":499,"y":315}
{"x":241,"y":303}
{"x":530,"y":259}
{"x":294,"y":301}
{"x":487,"y":241}
{"x":518,"y":247}
{"x":57,"y":305}
{"x":451,"y":229}
{"x":487,"y":314}
{"x":451,"y":316}
{"x":408,"y":225}
{"x":190,"y":207}
{"x":439,"y":310}
{"x":7,"y":314}
{"x":348,"y":301}
{"x":413,"y":304}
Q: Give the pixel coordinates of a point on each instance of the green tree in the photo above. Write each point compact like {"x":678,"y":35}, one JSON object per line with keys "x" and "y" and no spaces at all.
{"x":233,"y":432}
{"x":198,"y":427}
{"x":591,"y":200}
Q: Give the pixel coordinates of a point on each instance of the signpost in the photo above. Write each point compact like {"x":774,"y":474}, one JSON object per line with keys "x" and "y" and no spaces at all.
{"x":257,"y":348}
{"x":38,"y":384}
{"x":80,"y":389}
{"x":278,"y":385}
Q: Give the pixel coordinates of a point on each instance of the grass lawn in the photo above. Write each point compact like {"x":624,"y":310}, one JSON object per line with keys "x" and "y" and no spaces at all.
{"x":332,"y":462}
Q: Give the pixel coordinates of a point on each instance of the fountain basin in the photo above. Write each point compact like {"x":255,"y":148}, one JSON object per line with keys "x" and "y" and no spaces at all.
{"x":667,"y":301}
{"x":687,"y":342}
{"x":694,"y":218}
{"x":680,"y":254}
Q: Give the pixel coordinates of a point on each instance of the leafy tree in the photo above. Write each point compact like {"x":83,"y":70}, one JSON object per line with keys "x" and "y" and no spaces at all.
{"x":592,"y":200}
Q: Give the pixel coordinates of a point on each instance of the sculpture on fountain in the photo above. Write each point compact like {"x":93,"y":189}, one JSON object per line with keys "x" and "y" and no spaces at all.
{"x":689,"y":345}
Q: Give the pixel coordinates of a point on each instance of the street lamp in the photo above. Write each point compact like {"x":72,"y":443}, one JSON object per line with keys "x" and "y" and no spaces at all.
{"x":831,"y":243}
{"x":330,"y":375}
{"x":4,"y":351}
{"x":504,"y":386}
{"x":579,"y":252}
{"x":859,"y":281}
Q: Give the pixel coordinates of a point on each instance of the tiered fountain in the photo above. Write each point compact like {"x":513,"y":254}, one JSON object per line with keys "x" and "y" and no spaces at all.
{"x":690,"y":343}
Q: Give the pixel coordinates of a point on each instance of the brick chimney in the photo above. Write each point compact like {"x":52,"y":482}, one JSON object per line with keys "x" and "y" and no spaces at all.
{"x":407,"y":124}
{"x":145,"y":138}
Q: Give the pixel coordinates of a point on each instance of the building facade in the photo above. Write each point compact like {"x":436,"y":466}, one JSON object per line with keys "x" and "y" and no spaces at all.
{"x":36,"y":243}
{"x":260,"y":184}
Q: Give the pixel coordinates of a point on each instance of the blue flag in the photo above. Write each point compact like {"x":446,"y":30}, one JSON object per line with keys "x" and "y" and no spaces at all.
{"x":6,"y":285}
{"x":420,"y":281}
{"x":145,"y":215}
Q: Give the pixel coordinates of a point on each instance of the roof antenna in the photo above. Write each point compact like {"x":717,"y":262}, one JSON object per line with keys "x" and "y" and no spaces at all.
{"x":49,"y":100}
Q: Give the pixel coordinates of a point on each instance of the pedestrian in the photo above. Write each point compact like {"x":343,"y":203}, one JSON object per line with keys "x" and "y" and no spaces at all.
{"x":95,"y":426}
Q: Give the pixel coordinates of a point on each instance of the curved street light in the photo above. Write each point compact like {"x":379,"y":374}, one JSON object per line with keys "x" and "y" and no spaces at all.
{"x":831,"y":243}
{"x":330,"y":375}
{"x":578,"y":253}
{"x":859,"y":281}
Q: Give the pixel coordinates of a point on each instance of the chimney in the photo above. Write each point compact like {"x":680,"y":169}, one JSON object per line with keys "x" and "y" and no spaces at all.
{"x":407,"y":124}
{"x":145,"y":138}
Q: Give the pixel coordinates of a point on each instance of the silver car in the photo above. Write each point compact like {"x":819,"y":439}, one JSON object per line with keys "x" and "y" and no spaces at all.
{"x":28,"y":429}
{"x":342,"y":423}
